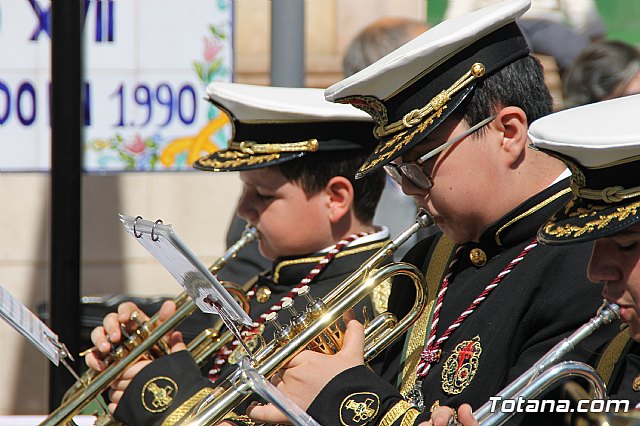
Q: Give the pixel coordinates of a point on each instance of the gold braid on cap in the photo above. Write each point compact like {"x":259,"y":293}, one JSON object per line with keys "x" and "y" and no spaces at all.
{"x":252,"y":148}
{"x":415,"y":116}
{"x":610,"y":194}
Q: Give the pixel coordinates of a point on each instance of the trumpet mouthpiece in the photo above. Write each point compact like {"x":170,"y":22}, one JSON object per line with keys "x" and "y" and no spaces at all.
{"x":424,"y":219}
{"x":609,"y":311}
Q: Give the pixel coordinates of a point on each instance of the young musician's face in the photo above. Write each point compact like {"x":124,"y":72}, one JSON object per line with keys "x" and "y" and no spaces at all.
{"x":615,"y":262}
{"x":289,"y":222}
{"x":462,"y":177}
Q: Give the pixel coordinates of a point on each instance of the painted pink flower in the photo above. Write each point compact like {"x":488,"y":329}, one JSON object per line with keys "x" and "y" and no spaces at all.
{"x":211,"y":48}
{"x":135,"y":146}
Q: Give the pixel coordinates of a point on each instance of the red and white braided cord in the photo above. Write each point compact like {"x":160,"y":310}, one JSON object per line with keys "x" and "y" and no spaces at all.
{"x":225,"y":351}
{"x":430,"y":355}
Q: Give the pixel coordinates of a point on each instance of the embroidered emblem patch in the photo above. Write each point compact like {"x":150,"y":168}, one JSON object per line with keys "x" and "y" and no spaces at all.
{"x":158,"y":394}
{"x":461,"y":366}
{"x":359,"y":408}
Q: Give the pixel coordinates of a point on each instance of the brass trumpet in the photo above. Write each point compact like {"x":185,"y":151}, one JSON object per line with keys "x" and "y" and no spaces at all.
{"x":548,"y":371}
{"x":315,"y":327}
{"x":147,"y":341}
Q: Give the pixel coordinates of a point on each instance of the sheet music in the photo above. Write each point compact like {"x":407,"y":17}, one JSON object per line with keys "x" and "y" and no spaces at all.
{"x":165,"y":245}
{"x":29,"y":325}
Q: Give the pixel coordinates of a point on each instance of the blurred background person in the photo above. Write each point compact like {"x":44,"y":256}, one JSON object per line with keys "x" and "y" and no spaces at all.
{"x":561,"y":29}
{"x":378,"y":39}
{"x":604,"y":70}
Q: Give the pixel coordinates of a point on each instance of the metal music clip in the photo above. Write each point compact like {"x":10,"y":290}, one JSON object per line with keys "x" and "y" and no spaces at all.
{"x":63,"y":353}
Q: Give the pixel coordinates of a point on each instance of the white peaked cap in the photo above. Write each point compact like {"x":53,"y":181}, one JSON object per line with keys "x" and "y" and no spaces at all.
{"x":595,"y":135}
{"x":600,"y":143}
{"x":272,"y":125}
{"x":265,"y":103}
{"x":392,"y":72}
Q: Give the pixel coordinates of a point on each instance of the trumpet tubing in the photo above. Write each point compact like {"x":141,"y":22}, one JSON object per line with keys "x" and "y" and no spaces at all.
{"x":208,"y":343}
{"x":549,"y":370}
{"x":145,"y":342}
{"x":325,"y":312}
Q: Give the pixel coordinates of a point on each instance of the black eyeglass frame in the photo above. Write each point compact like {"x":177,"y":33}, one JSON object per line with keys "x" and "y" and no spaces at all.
{"x":414,"y":170}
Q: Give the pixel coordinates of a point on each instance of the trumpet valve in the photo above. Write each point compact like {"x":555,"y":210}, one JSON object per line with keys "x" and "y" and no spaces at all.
{"x":287,"y":304}
{"x":330,"y":341}
{"x":119,"y":353}
{"x":283,"y":333}
{"x":315,"y":306}
{"x":135,"y":317}
{"x":128,"y":341}
{"x":131,"y":342}
{"x":272,"y":318}
{"x":302,"y":320}
{"x":297,"y":319}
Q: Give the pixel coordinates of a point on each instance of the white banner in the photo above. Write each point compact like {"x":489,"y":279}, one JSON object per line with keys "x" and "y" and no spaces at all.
{"x":147,"y":63}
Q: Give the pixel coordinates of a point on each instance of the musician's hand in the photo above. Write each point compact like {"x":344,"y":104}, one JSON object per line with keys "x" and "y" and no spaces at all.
{"x":117,"y":388}
{"x":444,"y":416}
{"x":103,"y":337}
{"x":307,"y":373}
{"x":465,"y":416}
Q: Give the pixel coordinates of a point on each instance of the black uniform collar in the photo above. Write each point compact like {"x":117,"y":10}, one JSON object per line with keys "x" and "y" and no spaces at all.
{"x":523,"y":222}
{"x":288,"y":270}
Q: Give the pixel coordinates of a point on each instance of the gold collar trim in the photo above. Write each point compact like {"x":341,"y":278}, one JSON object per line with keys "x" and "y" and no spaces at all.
{"x":316,"y":259}
{"x":530,"y":212}
{"x":416,"y":116}
{"x":251,"y":148}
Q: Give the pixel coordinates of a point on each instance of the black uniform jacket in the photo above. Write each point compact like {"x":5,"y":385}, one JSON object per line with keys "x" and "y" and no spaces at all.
{"x":542,"y":300}
{"x":175,"y":380}
{"x":619,"y":366}
{"x":625,"y":380}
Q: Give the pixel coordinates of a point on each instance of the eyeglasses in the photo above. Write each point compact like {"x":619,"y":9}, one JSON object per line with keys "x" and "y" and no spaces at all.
{"x":414,"y":170}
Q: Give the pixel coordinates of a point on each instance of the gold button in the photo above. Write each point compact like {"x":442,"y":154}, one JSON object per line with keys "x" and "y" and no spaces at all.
{"x":636,"y":384}
{"x":263,"y":294}
{"x":478,"y":257}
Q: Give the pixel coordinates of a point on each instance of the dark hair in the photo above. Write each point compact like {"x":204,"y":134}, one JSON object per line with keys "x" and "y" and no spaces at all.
{"x":599,"y":71}
{"x":312,"y":172}
{"x":521,"y":84}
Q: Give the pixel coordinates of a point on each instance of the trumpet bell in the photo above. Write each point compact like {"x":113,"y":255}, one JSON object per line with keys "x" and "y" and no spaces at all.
{"x":623,"y":415}
{"x":631,"y":418}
